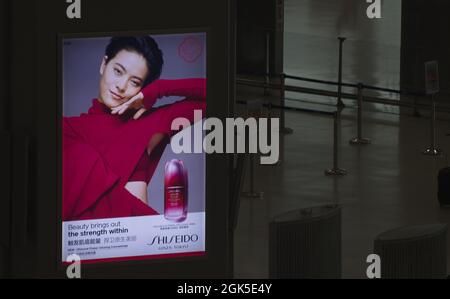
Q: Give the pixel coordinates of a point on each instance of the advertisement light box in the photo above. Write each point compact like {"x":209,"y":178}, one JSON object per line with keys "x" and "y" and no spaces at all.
{"x":125,"y":194}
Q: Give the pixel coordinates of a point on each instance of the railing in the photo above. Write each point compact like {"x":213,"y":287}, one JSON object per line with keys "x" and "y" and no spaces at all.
{"x":359,"y":97}
{"x":350,"y":96}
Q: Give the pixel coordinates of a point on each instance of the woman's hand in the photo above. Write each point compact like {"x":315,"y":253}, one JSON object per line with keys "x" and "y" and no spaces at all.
{"x":142,"y":102}
{"x":136,"y":102}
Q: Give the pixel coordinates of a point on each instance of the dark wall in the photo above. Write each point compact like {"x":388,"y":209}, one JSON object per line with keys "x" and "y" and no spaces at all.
{"x":257,"y":18}
{"x":4,"y":138}
{"x":425,"y":37}
{"x":4,"y":28}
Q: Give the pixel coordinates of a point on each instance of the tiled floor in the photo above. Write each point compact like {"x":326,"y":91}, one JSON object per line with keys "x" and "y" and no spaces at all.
{"x":390,"y":184}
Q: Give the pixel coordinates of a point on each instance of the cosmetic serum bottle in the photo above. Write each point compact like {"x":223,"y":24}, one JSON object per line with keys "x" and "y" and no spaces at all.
{"x":175,"y":191}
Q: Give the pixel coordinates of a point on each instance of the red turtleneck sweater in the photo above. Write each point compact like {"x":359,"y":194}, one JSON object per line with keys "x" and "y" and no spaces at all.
{"x":103,"y":152}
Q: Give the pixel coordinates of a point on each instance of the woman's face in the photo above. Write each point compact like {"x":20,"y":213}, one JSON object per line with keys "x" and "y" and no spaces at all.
{"x":122,"y":78}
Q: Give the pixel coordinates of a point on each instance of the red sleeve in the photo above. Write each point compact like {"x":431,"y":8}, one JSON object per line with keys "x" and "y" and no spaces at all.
{"x":194,"y":89}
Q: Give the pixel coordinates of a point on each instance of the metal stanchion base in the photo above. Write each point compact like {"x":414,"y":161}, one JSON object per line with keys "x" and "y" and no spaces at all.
{"x":360,"y":141}
{"x":286,"y":131}
{"x":432,"y":152}
{"x":253,"y":195}
{"x":336,"y":172}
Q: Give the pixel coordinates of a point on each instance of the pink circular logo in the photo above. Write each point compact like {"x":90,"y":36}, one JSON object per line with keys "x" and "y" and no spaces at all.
{"x":190,"y":50}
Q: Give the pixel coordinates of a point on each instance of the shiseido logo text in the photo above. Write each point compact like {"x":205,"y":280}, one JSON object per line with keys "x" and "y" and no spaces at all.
{"x":177,"y":239}
{"x":74,"y":9}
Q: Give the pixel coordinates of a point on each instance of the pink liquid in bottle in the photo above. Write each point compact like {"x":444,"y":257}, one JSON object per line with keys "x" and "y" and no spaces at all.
{"x":175,"y":191}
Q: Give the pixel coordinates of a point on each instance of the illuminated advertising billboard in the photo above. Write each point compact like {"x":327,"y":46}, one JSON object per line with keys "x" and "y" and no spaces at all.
{"x":126,"y":194}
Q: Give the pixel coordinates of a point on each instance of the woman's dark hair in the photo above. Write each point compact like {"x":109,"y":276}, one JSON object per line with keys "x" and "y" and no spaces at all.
{"x":144,"y":45}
